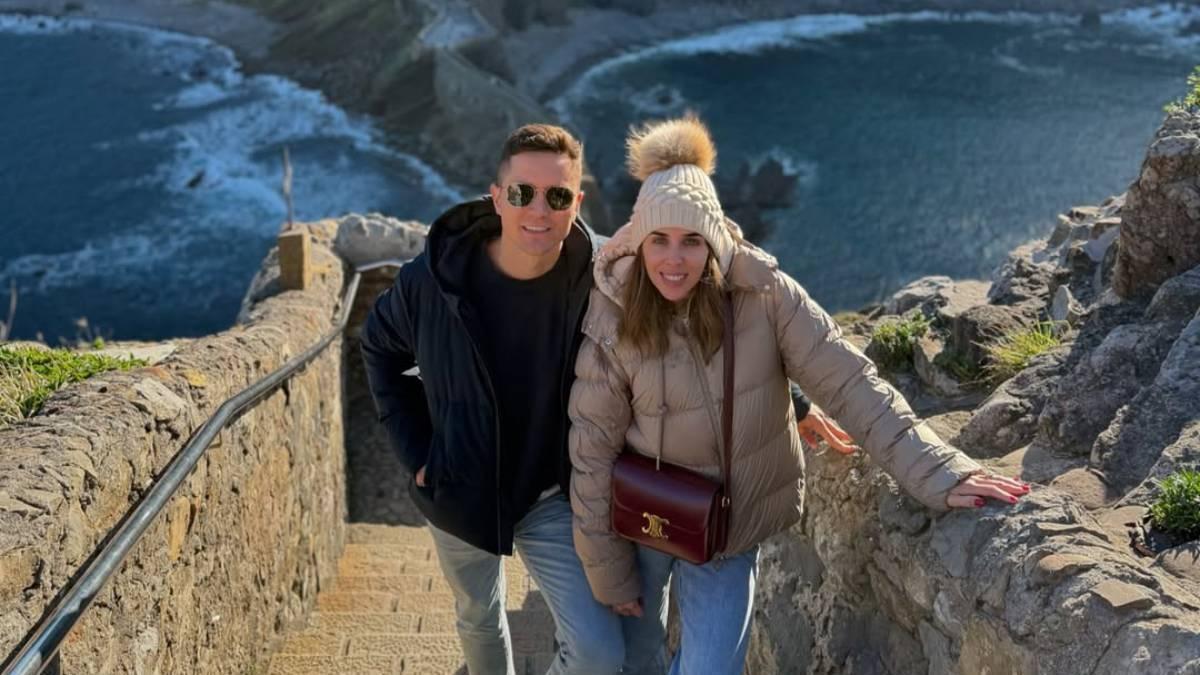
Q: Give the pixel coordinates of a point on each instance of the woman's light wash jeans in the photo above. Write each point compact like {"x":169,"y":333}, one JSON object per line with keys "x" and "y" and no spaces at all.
{"x":715,"y":601}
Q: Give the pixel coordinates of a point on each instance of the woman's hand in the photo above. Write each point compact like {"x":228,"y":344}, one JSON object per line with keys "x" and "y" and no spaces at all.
{"x":974,"y":491}
{"x":632,"y":608}
{"x":618,"y":244}
{"x":817,"y":425}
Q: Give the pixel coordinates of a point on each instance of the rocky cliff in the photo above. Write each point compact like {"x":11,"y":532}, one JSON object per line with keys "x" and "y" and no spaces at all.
{"x":870,"y":583}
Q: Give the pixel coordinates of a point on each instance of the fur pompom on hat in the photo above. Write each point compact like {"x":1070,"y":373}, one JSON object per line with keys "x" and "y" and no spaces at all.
{"x":673,"y":159}
{"x":655,"y":147}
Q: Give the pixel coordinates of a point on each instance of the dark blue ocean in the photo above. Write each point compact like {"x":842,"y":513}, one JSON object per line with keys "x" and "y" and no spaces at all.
{"x":140,"y":177}
{"x":926,"y":144}
{"x":140,"y":171}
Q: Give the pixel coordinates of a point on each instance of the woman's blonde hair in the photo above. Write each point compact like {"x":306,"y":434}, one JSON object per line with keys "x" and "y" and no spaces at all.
{"x":646,"y":321}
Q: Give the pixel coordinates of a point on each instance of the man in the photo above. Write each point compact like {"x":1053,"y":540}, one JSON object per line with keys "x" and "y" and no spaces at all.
{"x":491,"y":313}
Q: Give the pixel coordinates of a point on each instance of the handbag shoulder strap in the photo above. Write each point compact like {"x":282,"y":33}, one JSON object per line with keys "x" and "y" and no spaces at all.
{"x":727,"y":400}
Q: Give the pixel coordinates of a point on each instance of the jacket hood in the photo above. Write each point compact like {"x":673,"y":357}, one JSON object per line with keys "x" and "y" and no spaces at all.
{"x":461,"y":232}
{"x":751,"y":269}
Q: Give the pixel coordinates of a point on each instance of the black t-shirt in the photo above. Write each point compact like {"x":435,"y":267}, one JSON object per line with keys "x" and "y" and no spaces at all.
{"x":524,"y":349}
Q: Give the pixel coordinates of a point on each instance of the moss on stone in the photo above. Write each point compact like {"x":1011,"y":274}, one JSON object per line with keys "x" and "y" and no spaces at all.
{"x":29,"y":375}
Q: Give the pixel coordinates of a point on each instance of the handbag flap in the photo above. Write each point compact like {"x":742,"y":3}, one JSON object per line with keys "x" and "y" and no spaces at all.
{"x":681,"y":498}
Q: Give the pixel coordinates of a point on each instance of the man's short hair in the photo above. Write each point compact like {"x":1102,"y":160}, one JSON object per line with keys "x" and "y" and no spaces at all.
{"x":541,"y":138}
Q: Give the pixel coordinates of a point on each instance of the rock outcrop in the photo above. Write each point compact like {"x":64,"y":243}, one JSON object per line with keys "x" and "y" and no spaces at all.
{"x":1160,"y":233}
{"x":869,"y":582}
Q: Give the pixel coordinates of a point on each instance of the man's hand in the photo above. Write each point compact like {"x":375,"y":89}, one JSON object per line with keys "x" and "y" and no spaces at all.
{"x":817,"y":425}
{"x":974,"y":490}
{"x":420,"y":477}
{"x":633,"y":608}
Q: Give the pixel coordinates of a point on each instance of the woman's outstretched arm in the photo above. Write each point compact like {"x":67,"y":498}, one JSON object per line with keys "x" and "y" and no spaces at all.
{"x":843,"y":381}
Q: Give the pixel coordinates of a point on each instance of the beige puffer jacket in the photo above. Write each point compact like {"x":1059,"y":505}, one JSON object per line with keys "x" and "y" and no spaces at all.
{"x":780,"y":333}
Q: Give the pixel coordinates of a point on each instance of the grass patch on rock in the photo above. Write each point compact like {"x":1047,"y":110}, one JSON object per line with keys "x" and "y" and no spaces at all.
{"x":1012,"y":353}
{"x":1176,"y":511}
{"x":893,"y":341}
{"x":961,"y":368}
{"x":1191,"y":99}
{"x":29,"y":375}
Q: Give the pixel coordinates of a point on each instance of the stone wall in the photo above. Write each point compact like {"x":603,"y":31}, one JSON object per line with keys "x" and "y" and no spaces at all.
{"x":240,"y":553}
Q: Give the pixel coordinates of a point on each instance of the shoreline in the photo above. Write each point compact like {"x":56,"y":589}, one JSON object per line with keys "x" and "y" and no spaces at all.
{"x":595,"y":36}
{"x":545,"y":61}
{"x":246,"y":32}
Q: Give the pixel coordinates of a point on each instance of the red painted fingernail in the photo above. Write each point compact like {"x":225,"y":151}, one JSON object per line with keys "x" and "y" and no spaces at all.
{"x":978,"y":501}
{"x":1012,"y":500}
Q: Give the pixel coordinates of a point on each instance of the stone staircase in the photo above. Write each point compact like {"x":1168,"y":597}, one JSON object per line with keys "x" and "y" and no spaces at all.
{"x":390,"y":611}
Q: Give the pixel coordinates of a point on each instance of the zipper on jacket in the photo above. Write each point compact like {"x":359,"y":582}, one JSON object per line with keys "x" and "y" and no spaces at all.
{"x":574,"y":339}
{"x":487,"y":377}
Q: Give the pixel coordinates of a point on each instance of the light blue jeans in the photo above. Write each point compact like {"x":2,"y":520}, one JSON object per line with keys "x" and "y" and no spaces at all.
{"x":716,"y":603}
{"x":592,"y":640}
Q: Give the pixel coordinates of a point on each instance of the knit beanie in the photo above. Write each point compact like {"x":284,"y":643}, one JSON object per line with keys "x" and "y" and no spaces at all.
{"x":673,"y":159}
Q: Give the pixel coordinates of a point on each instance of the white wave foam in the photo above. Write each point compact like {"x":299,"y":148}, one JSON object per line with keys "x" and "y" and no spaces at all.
{"x":661,"y":99}
{"x":22,"y":24}
{"x":1014,"y":63}
{"x":196,"y":96}
{"x":805,"y":170}
{"x":1167,"y":19}
{"x":101,"y":260}
{"x":231,"y":154}
{"x":32,"y":24}
{"x":1162,"y":20}
{"x":224,"y":142}
{"x":225,"y":133}
{"x":759,"y":36}
{"x":1165,"y":23}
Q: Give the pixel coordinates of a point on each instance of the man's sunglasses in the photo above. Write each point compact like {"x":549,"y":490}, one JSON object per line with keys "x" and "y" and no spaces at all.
{"x":557,"y":198}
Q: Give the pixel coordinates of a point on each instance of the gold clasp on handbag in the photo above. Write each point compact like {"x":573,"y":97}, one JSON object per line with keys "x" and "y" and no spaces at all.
{"x":654,"y":525}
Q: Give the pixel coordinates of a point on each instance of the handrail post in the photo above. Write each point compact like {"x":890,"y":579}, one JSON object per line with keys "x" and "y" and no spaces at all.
{"x":295,"y":259}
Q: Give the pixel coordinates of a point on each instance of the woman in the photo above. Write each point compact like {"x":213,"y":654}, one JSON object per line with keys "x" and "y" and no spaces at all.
{"x":651,"y":368}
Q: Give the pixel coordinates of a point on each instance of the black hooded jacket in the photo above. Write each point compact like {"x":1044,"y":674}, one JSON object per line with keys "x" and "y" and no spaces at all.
{"x":447,"y":419}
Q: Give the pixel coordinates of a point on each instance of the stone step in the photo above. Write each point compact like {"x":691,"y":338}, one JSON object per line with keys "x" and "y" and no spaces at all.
{"x":389,"y":553}
{"x":329,"y":655}
{"x":351,"y":623}
{"x":390,"y":610}
{"x":296,"y":664}
{"x":370,"y":533}
{"x":361,"y":580}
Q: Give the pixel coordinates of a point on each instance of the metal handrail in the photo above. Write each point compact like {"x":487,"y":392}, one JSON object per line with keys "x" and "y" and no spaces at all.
{"x":40,"y":647}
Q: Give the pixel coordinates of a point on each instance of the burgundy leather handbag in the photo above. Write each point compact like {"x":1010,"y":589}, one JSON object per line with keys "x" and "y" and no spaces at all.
{"x":672,"y":509}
